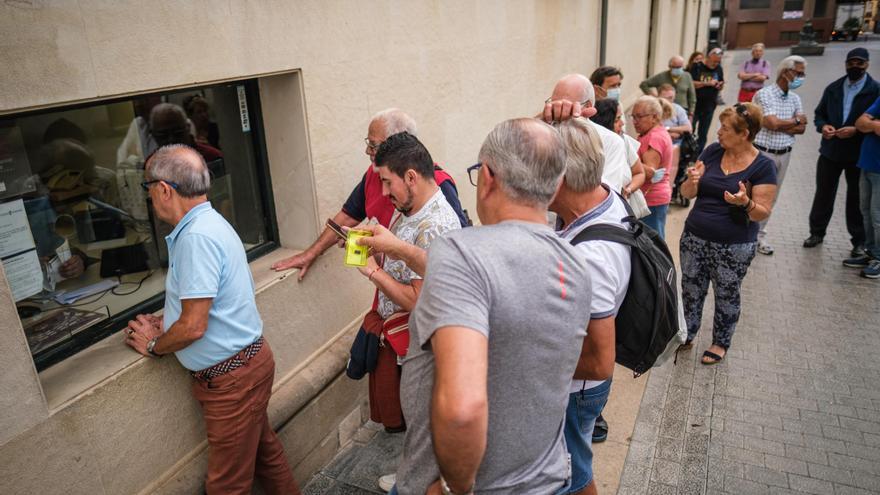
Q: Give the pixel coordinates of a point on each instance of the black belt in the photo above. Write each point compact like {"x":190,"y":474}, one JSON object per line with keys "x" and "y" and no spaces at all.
{"x":772,"y":151}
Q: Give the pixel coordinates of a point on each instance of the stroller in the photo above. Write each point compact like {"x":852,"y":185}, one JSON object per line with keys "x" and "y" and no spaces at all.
{"x":688,"y":156}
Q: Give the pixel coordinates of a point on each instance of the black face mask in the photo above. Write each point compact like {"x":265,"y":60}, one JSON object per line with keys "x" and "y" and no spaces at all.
{"x":855,"y":73}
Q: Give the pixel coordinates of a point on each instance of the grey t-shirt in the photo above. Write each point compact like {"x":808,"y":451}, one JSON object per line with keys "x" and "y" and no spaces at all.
{"x":528,"y":291}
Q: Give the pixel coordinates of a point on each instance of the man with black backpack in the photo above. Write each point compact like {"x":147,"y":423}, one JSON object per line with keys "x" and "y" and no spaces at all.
{"x":582,"y":201}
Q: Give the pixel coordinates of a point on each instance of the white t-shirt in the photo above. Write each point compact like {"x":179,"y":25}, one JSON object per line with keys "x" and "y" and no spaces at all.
{"x":617,"y":171}
{"x":608,"y":263}
{"x":433,"y":220}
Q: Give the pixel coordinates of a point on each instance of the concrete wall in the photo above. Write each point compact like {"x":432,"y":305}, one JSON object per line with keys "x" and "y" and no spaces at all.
{"x":108,"y":421}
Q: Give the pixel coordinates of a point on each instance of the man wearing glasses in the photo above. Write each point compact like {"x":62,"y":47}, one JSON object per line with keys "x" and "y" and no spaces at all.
{"x":784,"y":118}
{"x":500,"y":320}
{"x":366,"y":200}
{"x":211,"y":324}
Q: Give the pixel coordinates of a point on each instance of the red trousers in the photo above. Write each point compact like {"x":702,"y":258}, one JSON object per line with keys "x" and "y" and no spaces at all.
{"x":746,"y":95}
{"x":241,"y":443}
{"x":384,"y":380}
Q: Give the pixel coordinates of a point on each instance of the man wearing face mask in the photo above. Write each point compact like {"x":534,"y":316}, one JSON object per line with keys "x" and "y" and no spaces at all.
{"x":606,"y":82}
{"x":843,"y":101}
{"x":678,"y":78}
{"x":784,"y":118}
{"x":708,"y":81}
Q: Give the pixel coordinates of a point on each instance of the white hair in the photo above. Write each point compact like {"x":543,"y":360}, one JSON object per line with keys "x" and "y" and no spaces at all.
{"x":790,"y":62}
{"x":758,"y":45}
{"x":584,"y":157}
{"x":652,"y":104}
{"x":396,"y":121}
{"x":182,"y":165}
{"x":528,"y":159}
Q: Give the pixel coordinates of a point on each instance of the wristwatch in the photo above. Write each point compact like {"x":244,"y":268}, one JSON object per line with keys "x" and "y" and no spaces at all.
{"x":797,"y":120}
{"x":151,"y":345}
{"x":445,"y":490}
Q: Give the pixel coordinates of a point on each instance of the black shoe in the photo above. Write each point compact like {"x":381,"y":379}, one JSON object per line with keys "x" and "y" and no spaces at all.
{"x":812,"y":241}
{"x":600,"y":430}
{"x":857,"y":251}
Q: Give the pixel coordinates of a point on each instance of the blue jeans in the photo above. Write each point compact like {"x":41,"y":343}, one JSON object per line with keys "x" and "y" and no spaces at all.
{"x":657,"y":219}
{"x":580,"y":418}
{"x":869,"y":203}
{"x":702,"y":122}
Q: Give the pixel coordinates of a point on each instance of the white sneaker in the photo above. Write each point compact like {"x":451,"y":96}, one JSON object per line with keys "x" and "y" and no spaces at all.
{"x":387,"y":482}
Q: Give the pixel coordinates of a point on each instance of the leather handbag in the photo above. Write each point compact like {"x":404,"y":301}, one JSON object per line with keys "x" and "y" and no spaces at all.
{"x":396,"y":332}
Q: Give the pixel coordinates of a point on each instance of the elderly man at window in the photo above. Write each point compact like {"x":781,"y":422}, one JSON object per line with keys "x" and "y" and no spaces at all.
{"x":366,"y":200}
{"x":212,"y":325}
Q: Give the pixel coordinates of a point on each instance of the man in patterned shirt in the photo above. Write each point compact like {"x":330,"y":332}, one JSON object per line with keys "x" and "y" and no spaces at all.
{"x":423,"y":214}
{"x":784,"y":118}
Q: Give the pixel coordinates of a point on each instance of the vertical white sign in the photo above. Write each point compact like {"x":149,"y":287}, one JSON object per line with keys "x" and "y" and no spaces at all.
{"x":243,"y":109}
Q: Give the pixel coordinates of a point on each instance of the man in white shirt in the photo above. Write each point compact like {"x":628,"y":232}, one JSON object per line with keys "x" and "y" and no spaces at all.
{"x":582,"y":201}
{"x":784,"y":118}
{"x":574,"y":96}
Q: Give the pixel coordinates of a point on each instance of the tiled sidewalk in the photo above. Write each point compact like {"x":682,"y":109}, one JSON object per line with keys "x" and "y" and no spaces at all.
{"x":795,"y":406}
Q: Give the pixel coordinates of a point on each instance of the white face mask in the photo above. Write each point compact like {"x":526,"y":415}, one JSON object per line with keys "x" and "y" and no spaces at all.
{"x":614,"y":94}
{"x":676,"y":71}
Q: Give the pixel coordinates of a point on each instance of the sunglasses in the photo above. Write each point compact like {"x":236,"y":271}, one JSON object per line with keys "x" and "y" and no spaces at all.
{"x":147,"y":183}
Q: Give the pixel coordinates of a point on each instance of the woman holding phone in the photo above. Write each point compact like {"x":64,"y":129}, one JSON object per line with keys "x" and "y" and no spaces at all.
{"x":655,"y":151}
{"x":734,"y":185}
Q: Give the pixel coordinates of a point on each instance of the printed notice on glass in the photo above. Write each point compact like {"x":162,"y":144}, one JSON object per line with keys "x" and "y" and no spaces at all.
{"x":24,"y":274}
{"x":15,"y":232}
{"x":243,"y":109}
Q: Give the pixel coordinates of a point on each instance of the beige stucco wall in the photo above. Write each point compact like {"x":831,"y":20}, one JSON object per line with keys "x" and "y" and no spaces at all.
{"x":111,"y":422}
{"x":107,"y":421}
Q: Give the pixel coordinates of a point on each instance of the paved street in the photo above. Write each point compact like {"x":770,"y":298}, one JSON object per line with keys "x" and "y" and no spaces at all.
{"x":794,"y":407}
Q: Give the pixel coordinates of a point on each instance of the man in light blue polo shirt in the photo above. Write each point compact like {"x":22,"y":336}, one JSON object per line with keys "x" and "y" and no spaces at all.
{"x":212,"y":325}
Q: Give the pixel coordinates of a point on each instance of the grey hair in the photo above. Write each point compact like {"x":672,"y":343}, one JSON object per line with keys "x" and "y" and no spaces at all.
{"x":790,"y":62}
{"x":584,"y":157}
{"x":396,"y":121}
{"x":167,"y":107}
{"x":652,"y":104}
{"x":527,"y":157}
{"x":182,"y":165}
{"x":758,"y":45}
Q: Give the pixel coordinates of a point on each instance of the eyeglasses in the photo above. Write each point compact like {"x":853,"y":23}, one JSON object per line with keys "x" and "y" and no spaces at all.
{"x":474,"y":170}
{"x":550,"y":100}
{"x":639,"y":116}
{"x":373,"y":146}
{"x":147,"y":183}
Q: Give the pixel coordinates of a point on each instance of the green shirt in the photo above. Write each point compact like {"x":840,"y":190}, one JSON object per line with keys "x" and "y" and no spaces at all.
{"x":685,"y":94}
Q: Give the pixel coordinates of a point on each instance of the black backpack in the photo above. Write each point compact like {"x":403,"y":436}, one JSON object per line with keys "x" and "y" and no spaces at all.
{"x":648,"y":318}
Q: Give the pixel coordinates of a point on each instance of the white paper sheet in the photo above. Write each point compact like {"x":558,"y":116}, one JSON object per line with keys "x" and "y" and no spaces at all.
{"x":24,"y":274}
{"x":15,"y":231}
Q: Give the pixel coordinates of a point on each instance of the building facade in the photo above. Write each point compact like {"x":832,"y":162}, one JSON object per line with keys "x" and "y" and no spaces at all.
{"x":776,"y":22}
{"x":278,"y":95}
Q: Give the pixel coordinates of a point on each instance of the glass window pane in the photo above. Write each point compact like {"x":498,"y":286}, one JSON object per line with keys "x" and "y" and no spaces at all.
{"x":754,"y":4}
{"x":82,"y":247}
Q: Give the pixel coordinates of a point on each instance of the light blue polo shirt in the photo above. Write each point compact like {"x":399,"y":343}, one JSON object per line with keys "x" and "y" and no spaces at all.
{"x":207,"y":259}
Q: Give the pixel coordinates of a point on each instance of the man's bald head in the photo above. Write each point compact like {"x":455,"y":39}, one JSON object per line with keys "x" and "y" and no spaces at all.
{"x":575,"y":88}
{"x":168,"y":124}
{"x":676,"y":61}
{"x":528,"y":158}
{"x":180,"y":165}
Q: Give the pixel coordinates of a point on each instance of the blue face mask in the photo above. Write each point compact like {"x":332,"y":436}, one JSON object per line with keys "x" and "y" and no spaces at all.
{"x":798,"y":82}
{"x":614,"y":94}
{"x":676,"y":71}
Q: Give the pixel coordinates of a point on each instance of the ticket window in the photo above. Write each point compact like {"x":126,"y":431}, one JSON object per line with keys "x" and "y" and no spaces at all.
{"x":81,"y":248}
